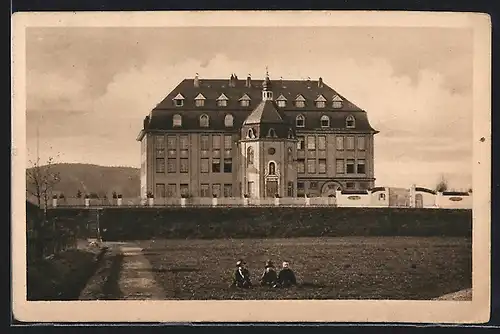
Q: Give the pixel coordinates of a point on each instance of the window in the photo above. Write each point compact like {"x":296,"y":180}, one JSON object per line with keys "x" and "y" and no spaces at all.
{"x":222,"y":103}
{"x":361,"y":166}
{"x":160,"y":165}
{"x":216,"y":142}
{"x":311,"y":143}
{"x":184,"y":189}
{"x":184,"y":166}
{"x":204,"y":144}
{"x":179,"y":103}
{"x":300,"y":102}
{"x":228,"y":142}
{"x":322,"y":143}
{"x":350,"y":166}
{"x":272,"y":168}
{"x":271,"y":133}
{"x":381,"y":197}
{"x":337,"y":104}
{"x":228,"y":190}
{"x":289,"y":155}
{"x":205,"y":190}
{"x":228,"y":165}
{"x":301,"y":166}
{"x":361,"y":143}
{"x":350,"y":185}
{"x":300,"y":189}
{"x":160,"y":142}
{"x":172,"y":165}
{"x":250,"y":156}
{"x":160,"y":190}
{"x":171,"y":143}
{"x":204,"y":121}
{"x":289,"y":189}
{"x":204,"y":165}
{"x":281,"y":103}
{"x":350,"y":122}
{"x":199,"y":102}
{"x":339,"y":142}
{"x":177,"y":120}
{"x":313,"y":185}
{"x":339,"y":166}
{"x":171,"y":190}
{"x":215,"y":165}
{"x":184,"y":142}
{"x":311,"y":166}
{"x":350,"y":143}
{"x":322,"y":166}
{"x":245,"y":103}
{"x":251,"y":133}
{"x":300,"y":121}
{"x":300,"y":143}
{"x":325,"y":121}
{"x":250,"y":188}
{"x":216,"y":189}
{"x":228,"y":120}
{"x":320,"y":104}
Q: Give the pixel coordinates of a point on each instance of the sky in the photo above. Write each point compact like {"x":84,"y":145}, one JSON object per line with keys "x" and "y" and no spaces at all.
{"x":88,"y":89}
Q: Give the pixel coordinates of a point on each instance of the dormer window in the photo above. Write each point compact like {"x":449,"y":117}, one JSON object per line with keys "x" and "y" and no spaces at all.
{"x":222,"y":100}
{"x":350,"y":122}
{"x":177,"y":120}
{"x":179,"y":100}
{"x":228,"y":120}
{"x":281,"y":101}
{"x":325,"y":121}
{"x":337,"y":102}
{"x":204,"y":121}
{"x":300,"y":102}
{"x":320,"y":102}
{"x":300,"y":121}
{"x":271,"y":133}
{"x":199,"y":100}
{"x":250,"y":134}
{"x":245,"y":101}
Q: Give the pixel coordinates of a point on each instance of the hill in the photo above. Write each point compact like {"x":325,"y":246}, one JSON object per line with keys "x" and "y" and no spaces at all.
{"x":102,"y":180}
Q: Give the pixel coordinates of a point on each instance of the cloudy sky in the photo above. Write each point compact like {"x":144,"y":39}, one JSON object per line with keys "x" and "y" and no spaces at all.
{"x":88,"y":89}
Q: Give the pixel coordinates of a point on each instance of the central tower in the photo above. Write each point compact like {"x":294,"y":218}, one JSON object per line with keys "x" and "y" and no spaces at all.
{"x":267,"y":145}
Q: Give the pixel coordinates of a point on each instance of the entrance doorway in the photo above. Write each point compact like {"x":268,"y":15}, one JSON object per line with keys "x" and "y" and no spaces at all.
{"x":419,"y":201}
{"x":271,"y":188}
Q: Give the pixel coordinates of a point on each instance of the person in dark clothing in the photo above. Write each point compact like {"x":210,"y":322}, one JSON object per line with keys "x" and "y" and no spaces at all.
{"x":269,"y":277}
{"x":286,"y":276}
{"x":241,"y":276}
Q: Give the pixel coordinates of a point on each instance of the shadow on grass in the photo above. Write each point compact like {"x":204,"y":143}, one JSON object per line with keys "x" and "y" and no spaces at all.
{"x":111,"y":288}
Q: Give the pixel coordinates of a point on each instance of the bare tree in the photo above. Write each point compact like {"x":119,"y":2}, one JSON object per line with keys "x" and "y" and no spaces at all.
{"x":41,"y":180}
{"x":442,"y":185}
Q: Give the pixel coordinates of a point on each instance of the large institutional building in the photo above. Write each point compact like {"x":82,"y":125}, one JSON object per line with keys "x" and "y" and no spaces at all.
{"x":257,"y":138}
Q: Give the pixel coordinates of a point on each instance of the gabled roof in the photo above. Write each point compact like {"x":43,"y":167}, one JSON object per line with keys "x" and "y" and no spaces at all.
{"x":200,"y":97}
{"x":245,"y":97}
{"x":178,"y":97}
{"x":300,"y":98}
{"x":265,"y":112}
{"x":320,"y":98}
{"x":337,"y":98}
{"x":222,"y":97}
{"x":281,"y":98}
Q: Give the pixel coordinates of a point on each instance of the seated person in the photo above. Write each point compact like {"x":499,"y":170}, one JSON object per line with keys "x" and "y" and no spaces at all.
{"x":241,"y":276}
{"x":269,"y":276}
{"x":286,"y":277}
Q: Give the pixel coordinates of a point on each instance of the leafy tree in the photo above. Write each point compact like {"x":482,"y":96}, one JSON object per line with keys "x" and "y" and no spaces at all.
{"x":442,"y":185}
{"x":78,"y":194}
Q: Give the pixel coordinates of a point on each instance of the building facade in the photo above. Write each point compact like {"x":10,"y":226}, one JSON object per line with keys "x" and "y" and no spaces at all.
{"x":255,"y":138}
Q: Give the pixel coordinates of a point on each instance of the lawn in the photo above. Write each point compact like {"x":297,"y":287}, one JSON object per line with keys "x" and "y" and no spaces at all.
{"x":408,"y":268}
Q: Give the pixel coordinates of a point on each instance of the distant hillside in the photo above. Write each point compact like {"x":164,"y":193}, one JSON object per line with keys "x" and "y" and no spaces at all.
{"x":97,"y":179}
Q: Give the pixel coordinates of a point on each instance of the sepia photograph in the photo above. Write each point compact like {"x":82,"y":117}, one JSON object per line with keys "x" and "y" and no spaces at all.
{"x":222,"y":163}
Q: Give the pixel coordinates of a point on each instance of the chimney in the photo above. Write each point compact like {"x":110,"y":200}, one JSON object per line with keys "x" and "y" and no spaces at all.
{"x":320,"y":82}
{"x":231,"y":80}
{"x":249,"y":81}
{"x":146,"y":122}
{"x":196,"y":81}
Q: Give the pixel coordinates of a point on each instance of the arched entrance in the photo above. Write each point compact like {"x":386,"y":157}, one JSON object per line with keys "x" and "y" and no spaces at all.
{"x":329,"y":189}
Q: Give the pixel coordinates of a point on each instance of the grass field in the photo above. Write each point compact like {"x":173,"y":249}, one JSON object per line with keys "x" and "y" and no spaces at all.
{"x":411,"y":268}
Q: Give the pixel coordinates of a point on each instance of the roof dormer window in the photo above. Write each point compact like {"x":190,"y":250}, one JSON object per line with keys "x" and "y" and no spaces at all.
{"x":320,"y":102}
{"x":199,"y":100}
{"x":337,"y":102}
{"x":245,"y":101}
{"x":271,"y":133}
{"x":281,"y":101}
{"x":222,"y":100}
{"x":325,"y":121}
{"x":350,"y":122}
{"x":300,"y":102}
{"x":300,"y":121}
{"x":178,"y":100}
{"x":204,"y":121}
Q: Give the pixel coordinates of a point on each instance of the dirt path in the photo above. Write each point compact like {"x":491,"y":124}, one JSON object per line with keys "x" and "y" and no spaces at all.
{"x":136,"y":279}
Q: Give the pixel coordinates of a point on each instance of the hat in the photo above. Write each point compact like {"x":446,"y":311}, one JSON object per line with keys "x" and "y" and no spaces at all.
{"x":239,"y":263}
{"x":269,"y":263}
